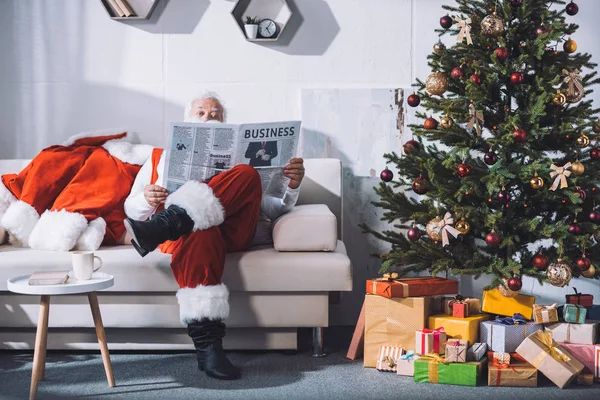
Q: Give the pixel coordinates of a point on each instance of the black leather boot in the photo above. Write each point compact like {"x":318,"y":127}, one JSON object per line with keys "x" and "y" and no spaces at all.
{"x":207,"y":336}
{"x":168,"y":224}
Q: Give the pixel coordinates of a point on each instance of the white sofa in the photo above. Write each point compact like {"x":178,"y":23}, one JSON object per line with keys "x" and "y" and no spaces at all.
{"x":272,"y":292}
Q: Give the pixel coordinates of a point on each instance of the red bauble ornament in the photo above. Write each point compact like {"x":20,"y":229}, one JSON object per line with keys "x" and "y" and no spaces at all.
{"x":420,"y":185}
{"x":413,"y":100}
{"x":503,"y":197}
{"x":575,"y":228}
{"x":490,"y":158}
{"x":519,"y":135}
{"x":595,"y":216}
{"x":386,"y":175}
{"x":430,"y":123}
{"x":476,"y":79}
{"x":540,"y":261}
{"x":446,"y":22}
{"x":581,"y":192}
{"x":517,"y":78}
{"x":572,"y":8}
{"x":595,"y":153}
{"x":414,"y":234}
{"x":464,"y":170}
{"x":501,"y":54}
{"x":457,"y":73}
{"x":411,"y":147}
{"x":515,"y":283}
{"x":541,"y":30}
{"x":583,"y":263}
{"x":492,"y":239}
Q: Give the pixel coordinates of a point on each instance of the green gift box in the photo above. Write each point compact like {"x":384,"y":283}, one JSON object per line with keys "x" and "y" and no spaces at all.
{"x":434,"y":370}
{"x":574,"y":313}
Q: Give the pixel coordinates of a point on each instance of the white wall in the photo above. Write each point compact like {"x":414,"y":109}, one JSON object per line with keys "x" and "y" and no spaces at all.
{"x":66,"y":68}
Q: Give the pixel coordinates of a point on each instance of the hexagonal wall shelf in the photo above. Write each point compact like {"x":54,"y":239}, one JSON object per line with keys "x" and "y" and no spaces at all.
{"x":276,"y":10}
{"x":142,"y":9}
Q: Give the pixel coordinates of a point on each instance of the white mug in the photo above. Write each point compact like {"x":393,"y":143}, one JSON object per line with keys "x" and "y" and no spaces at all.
{"x":83,"y":264}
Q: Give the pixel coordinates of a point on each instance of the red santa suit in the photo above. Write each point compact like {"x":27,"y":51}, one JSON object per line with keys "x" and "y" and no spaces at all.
{"x":225,"y":212}
{"x":72,"y":195}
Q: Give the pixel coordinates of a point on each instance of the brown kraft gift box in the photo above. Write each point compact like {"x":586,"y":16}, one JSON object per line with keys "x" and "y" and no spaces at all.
{"x":411,"y":287}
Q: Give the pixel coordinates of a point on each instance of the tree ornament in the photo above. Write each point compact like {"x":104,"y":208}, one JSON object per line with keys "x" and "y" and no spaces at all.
{"x":411,"y":147}
{"x":575,"y":89}
{"x":430,"y":123}
{"x":420,"y":185}
{"x":476,"y":79}
{"x":559,"y":273}
{"x":503,"y":197}
{"x":505,"y":291}
{"x":583,"y":263}
{"x":519,"y":135}
{"x":438,"y":47}
{"x":413,"y":100}
{"x":463,"y":170}
{"x":541,"y":30}
{"x":540,"y":261}
{"x":457,"y":73}
{"x":501,"y":54}
{"x":414,"y":233}
{"x":560,"y":175}
{"x":492,"y":26}
{"x":537,"y":182}
{"x":577,"y":168}
{"x":446,"y":22}
{"x":516,"y":3}
{"x":386,"y":175}
{"x":570,"y":46}
{"x":594,"y":216}
{"x":490,"y":158}
{"x":595,"y":153}
{"x":589,"y":273}
{"x":465,"y":30}
{"x":436,"y":83}
{"x":463,"y":226}
{"x":575,"y":228}
{"x":515,"y":284}
{"x":446,"y":122}
{"x":492,"y":239}
{"x":517,"y":78}
{"x":559,"y":98}
{"x":476,"y":119}
{"x":572,"y":8}
{"x":433,"y":229}
{"x":581,"y":192}
{"x":582,"y":141}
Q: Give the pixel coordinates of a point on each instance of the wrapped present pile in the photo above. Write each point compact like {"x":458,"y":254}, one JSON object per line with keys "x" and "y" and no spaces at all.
{"x":410,"y":326}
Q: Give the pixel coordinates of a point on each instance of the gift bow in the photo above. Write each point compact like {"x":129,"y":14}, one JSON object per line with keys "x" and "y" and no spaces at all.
{"x":516,"y":319}
{"x":409,"y":355}
{"x":436,"y":358}
{"x":389,"y":361}
{"x":465,"y":29}
{"x":545,"y":338}
{"x":445,"y":225}
{"x":574,"y":81}
{"x":388,"y":277}
{"x":541,"y":307}
{"x":561,"y":174}
{"x":476,"y":117}
{"x":501,"y":365}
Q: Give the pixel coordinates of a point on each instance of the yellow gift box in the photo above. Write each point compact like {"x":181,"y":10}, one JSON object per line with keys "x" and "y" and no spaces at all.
{"x":459,"y":328}
{"x":494,"y":303}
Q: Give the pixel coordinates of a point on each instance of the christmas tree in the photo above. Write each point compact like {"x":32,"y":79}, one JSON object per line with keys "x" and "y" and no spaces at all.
{"x":505,"y":182}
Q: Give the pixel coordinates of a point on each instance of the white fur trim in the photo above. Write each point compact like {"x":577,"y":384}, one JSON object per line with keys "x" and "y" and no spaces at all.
{"x":127,"y":152}
{"x":100,"y":132}
{"x":6,"y":199}
{"x":19,"y":220}
{"x":57,"y":230}
{"x":210,"y":302}
{"x":200,"y":203}
{"x":92,"y":237}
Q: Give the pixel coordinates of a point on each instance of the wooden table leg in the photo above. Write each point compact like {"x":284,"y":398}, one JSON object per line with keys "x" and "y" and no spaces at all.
{"x":39,"y":354}
{"x":93,"y":298}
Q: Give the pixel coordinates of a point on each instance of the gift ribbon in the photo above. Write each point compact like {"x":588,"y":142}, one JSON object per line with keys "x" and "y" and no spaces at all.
{"x":432,"y":369}
{"x":436,"y":338}
{"x":573,"y":80}
{"x":409,"y":355}
{"x":550,"y":348}
{"x":476,"y":117}
{"x":465,"y":29}
{"x":545,"y":311}
{"x":516,"y":319}
{"x":445,"y":225}
{"x":561,"y":174}
{"x":456,"y":344}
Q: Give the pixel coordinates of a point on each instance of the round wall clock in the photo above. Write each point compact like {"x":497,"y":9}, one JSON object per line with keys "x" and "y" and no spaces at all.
{"x":267,"y":28}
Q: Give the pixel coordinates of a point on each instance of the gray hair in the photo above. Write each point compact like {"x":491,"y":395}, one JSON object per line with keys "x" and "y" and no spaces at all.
{"x":205,"y":96}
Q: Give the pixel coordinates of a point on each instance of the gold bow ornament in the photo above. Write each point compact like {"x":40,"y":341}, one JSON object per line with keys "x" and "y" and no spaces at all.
{"x":445,"y":227}
{"x":573,"y":81}
{"x":544,"y":314}
{"x":465,"y":29}
{"x":476,"y":119}
{"x":561,"y":174}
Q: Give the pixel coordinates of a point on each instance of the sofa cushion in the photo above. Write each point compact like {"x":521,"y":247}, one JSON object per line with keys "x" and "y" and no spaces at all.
{"x":259,"y":269}
{"x":310,"y":227}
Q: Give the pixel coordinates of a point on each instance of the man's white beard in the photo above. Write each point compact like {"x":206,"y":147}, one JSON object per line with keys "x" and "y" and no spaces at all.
{"x":196,"y":118}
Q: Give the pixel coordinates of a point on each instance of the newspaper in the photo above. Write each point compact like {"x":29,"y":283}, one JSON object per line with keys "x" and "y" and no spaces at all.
{"x":199,"y":151}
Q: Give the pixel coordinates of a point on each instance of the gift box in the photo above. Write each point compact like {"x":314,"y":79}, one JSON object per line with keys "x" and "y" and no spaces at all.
{"x":518,"y":373}
{"x":543,"y":353}
{"x":459,"y":328}
{"x":593,"y":313}
{"x":406,"y":363}
{"x":501,"y":358}
{"x":586,"y":300}
{"x":494,"y":303}
{"x":435,"y":370}
{"x":456,"y":350}
{"x":447,"y":304}
{"x":476,"y":352}
{"x":504,"y":338}
{"x":574,"y":313}
{"x":357,"y":344}
{"x":430,"y":341}
{"x":585,"y":379}
{"x":574,"y":333}
{"x":392,"y":322}
{"x":411,"y":287}
{"x":460,"y":310}
{"x":586,"y":353}
{"x":597,"y":363}
{"x":545,"y":314}
{"x":388,"y":357}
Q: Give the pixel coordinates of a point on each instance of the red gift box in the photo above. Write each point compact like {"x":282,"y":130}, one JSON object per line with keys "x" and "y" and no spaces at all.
{"x":586,"y":300}
{"x":392,"y":287}
{"x":460,"y":310}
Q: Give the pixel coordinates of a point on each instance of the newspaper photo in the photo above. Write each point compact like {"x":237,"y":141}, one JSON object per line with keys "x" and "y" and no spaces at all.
{"x":199,"y":151}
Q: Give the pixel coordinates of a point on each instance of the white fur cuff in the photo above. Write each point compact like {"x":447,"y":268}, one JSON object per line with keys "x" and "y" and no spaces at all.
{"x":200,"y":203}
{"x":92,"y":237}
{"x":135,"y":154}
{"x":210,"y":302}
{"x":57,"y":230}
{"x":98,"y":133}
{"x":6,"y":199}
{"x":19,"y":220}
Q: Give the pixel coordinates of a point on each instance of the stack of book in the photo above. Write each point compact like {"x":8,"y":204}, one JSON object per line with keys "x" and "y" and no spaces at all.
{"x":120,"y":8}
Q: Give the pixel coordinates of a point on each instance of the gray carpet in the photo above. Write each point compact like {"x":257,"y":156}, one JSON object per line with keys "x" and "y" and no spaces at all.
{"x":267,"y":375}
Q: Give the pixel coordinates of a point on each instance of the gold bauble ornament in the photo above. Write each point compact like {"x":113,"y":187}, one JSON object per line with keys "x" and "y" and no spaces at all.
{"x":438,"y":47}
{"x":559,"y":98}
{"x":433,"y":230}
{"x":505,"y":291}
{"x":559,"y":273}
{"x":463,"y":226}
{"x":577,"y":168}
{"x":492,"y":26}
{"x":446,"y":122}
{"x":583,"y":141}
{"x":570,"y":46}
{"x":436,"y":83}
{"x":589,"y":273}
{"x":576,"y":96}
{"x":537,"y":182}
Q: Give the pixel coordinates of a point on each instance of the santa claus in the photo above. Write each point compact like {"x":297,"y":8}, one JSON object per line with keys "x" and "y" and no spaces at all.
{"x":198,"y":224}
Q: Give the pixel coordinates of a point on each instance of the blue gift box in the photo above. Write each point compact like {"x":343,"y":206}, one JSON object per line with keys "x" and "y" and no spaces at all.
{"x":574,"y":313}
{"x":593,"y":312}
{"x":477,"y":352}
{"x":505,"y":338}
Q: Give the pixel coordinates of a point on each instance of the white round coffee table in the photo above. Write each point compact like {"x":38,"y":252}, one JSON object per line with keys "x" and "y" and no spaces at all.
{"x":99,"y":281}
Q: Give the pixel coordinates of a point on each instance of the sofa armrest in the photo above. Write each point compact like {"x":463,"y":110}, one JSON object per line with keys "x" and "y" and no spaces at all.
{"x":310,"y":227}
